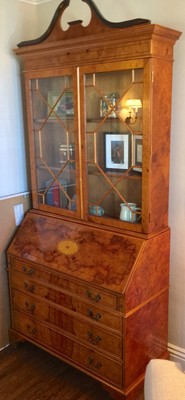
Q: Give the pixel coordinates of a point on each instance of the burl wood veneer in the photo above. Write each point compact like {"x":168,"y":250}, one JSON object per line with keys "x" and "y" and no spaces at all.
{"x":89,"y":296}
{"x":93,"y":290}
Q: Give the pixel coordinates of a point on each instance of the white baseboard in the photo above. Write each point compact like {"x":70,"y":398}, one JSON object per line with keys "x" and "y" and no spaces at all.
{"x":2,"y":348}
{"x":177,"y":354}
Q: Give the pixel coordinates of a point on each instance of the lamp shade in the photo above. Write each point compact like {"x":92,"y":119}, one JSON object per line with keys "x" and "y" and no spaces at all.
{"x":134,"y":103}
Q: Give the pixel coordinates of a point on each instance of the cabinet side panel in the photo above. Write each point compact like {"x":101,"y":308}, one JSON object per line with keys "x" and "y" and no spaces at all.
{"x":146,"y":332}
{"x":151,"y":273}
{"x":160,"y":143}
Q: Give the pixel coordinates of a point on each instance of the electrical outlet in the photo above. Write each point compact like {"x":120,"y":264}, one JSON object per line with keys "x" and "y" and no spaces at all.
{"x":18,"y":213}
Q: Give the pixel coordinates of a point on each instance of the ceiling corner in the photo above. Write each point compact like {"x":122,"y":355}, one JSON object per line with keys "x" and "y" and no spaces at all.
{"x":35,"y":2}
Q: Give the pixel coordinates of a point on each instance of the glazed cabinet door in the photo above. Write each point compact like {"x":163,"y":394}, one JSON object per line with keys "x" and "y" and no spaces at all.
{"x":90,"y":142}
{"x":53,"y":133}
{"x":112,"y":123}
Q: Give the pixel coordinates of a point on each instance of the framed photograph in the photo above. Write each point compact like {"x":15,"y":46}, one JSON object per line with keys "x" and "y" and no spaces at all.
{"x":116,"y":151}
{"x":137,"y":152}
{"x":63,"y":106}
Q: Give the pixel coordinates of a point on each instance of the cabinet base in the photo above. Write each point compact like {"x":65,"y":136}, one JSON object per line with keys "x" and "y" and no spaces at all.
{"x":134,"y":392}
{"x":137,"y":393}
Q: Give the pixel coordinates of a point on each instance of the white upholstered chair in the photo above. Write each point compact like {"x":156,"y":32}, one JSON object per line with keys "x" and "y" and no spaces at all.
{"x":164,"y":380}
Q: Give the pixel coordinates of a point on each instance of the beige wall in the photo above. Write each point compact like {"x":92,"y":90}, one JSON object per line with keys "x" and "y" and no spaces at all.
{"x":7,"y":230}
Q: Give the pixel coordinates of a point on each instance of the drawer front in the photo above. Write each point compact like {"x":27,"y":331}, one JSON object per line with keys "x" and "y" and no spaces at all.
{"x":89,"y":310}
{"x":82,"y":356}
{"x":57,"y":280}
{"x":89,"y":333}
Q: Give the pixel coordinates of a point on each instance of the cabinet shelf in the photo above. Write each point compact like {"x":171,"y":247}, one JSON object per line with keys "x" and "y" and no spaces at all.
{"x":51,"y":120}
{"x":131,"y":175}
{"x":55,"y":168}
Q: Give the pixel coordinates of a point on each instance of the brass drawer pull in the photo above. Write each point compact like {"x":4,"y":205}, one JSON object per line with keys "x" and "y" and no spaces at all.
{"x":93,"y":339}
{"x":30,"y":307}
{"x":92,"y":316}
{"x":31,"y":330}
{"x":94,"y":364}
{"x":28,"y":287}
{"x":28,"y":271}
{"x":90,"y":295}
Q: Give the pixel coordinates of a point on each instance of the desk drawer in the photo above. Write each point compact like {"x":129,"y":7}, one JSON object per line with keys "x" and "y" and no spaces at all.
{"x":67,"y":348}
{"x":93,"y":294}
{"x":95,"y":313}
{"x":91,"y":334}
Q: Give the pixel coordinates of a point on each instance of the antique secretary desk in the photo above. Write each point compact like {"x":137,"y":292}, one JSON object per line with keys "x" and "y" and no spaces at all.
{"x":89,"y":265}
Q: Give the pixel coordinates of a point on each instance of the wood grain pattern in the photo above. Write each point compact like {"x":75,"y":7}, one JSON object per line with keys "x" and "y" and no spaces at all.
{"x":29,"y":373}
{"x":151,"y":275}
{"x":60,"y":307}
{"x":101,"y":258}
{"x":154,"y":49}
{"x":54,"y":30}
{"x":60,"y":319}
{"x":94,"y":291}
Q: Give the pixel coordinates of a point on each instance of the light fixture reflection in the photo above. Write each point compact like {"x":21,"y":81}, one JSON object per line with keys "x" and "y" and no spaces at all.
{"x":133,"y":105}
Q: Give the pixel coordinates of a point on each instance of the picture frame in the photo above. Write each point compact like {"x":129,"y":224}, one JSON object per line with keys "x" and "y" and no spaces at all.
{"x":116,"y":151}
{"x":64,"y":106}
{"x":137,"y":153}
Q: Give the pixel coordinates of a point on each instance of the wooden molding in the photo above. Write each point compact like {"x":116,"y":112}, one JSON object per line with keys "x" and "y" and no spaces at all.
{"x":95,"y":15}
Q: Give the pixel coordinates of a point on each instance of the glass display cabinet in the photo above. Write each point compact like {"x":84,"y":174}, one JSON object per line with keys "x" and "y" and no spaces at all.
{"x":56,"y":170}
{"x":112,"y":119}
{"x":113,"y":139}
{"x":89,"y":265}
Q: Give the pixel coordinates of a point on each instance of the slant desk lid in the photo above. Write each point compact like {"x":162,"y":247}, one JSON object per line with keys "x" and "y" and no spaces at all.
{"x":90,"y":254}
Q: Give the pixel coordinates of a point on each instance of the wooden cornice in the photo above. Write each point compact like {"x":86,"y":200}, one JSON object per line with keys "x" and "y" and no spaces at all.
{"x":97,"y":24}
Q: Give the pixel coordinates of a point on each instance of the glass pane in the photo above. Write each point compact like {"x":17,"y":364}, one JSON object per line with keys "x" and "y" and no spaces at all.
{"x":114,"y":143}
{"x":53,"y":130}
